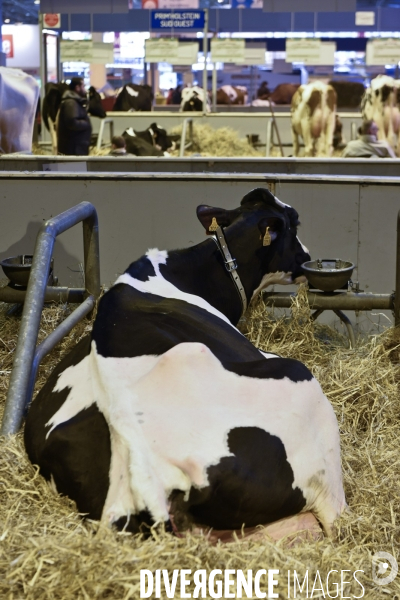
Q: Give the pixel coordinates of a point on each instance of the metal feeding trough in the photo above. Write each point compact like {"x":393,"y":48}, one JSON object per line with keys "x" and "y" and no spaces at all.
{"x":18,"y":269}
{"x":328,"y":274}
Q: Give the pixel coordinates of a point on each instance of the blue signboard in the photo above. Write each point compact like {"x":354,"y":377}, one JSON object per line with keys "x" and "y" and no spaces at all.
{"x":177,"y":19}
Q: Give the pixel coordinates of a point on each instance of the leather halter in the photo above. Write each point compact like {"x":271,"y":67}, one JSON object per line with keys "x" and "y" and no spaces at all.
{"x":230,"y":265}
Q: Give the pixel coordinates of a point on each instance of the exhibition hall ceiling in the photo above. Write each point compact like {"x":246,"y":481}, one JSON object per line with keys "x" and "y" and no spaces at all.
{"x":26,"y":11}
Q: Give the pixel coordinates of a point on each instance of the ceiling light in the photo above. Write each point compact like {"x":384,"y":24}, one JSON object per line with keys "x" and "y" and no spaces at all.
{"x":36,"y":1}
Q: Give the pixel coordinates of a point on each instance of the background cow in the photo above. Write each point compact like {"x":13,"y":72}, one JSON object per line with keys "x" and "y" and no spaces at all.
{"x":313,"y":116}
{"x":52,"y":100}
{"x":229,"y":94}
{"x":283,"y":93}
{"x":154,"y":141}
{"x":166,"y":413}
{"x":18,"y":104}
{"x":381,"y":103}
{"x":193,"y":98}
{"x":51,"y":105}
{"x":133,"y":97}
{"x":349,"y":93}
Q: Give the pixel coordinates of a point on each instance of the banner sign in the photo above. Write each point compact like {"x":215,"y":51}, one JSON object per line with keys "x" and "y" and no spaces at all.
{"x":86,"y":51}
{"x":227,"y":50}
{"x":310,"y":52}
{"x":254,"y":56}
{"x":303,"y":50}
{"x":160,"y":50}
{"x":171,"y":51}
{"x":365,"y":18}
{"x":177,"y":19}
{"x":383,"y":52}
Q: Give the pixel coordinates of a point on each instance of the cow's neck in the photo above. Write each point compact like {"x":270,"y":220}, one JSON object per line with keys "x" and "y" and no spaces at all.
{"x":200,"y":270}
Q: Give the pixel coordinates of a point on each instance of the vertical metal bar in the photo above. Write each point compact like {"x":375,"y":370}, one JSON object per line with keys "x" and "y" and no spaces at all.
{"x":100,"y":135}
{"x":27,"y":338}
{"x":349,"y":327}
{"x":269,"y":135}
{"x":397,"y":291}
{"x":183,"y":138}
{"x":205,"y":52}
{"x":91,"y":253}
{"x":21,"y":375}
{"x":53,"y":339}
{"x":214,"y":88}
{"x":353,"y":131}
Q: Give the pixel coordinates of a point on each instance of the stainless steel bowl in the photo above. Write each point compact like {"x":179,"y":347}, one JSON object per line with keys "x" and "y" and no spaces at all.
{"x":18,"y":268}
{"x":328,"y":274}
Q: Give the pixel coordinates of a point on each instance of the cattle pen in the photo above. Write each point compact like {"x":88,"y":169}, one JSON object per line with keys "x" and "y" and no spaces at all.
{"x":354,"y":217}
{"x":243,"y":122}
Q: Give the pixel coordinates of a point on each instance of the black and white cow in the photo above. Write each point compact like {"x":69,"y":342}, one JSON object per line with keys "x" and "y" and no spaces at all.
{"x":193,"y":99}
{"x":133,"y":97}
{"x":52,"y":101}
{"x":166,"y":413}
{"x":153,"y":141}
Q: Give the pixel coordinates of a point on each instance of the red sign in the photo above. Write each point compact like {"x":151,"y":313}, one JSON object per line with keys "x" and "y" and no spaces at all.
{"x":52,"y":20}
{"x":8,"y":45}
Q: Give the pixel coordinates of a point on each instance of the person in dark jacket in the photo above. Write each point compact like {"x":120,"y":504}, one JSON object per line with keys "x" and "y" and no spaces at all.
{"x":74,"y":129}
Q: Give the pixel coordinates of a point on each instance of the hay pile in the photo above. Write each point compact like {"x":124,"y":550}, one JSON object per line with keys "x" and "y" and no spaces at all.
{"x":46,"y":551}
{"x":224,"y":141}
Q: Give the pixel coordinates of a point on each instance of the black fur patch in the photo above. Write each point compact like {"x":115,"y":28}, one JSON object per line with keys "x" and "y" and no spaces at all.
{"x":141,"y":269}
{"x":252,"y":487}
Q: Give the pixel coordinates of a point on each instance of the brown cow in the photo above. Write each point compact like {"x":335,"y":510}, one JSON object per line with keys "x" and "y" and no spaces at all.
{"x":381,"y":103}
{"x":283,"y":93}
{"x":313,"y":116}
{"x":349,"y":93}
{"x":229,"y":94}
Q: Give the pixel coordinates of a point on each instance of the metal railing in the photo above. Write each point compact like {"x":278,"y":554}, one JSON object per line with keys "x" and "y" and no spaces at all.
{"x":103,"y":123}
{"x":187,"y":124}
{"x":27,"y":355}
{"x":350,"y":300}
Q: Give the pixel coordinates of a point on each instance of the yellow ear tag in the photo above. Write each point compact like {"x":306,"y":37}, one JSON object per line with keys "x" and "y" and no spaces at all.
{"x":214,"y":225}
{"x":267,"y":238}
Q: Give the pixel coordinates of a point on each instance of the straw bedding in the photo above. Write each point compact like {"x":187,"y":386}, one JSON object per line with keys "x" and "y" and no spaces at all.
{"x":48,"y":552}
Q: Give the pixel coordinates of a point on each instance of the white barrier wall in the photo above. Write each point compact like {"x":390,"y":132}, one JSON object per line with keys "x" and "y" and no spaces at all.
{"x":344,"y":217}
{"x":243,"y":123}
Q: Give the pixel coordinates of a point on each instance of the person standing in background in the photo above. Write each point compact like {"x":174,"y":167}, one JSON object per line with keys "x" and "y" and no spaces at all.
{"x":74,"y":129}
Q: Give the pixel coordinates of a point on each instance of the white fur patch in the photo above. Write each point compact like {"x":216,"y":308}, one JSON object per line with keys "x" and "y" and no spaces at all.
{"x":282,"y":204}
{"x":303,"y":246}
{"x":130,"y":132}
{"x":161,"y":287}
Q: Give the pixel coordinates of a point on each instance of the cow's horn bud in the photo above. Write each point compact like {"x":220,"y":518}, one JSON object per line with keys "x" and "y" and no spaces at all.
{"x":267,"y":238}
{"x":214,"y":225}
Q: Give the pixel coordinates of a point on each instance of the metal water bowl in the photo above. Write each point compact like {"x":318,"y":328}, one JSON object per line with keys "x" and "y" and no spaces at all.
{"x":328,"y":274}
{"x":18,"y":268}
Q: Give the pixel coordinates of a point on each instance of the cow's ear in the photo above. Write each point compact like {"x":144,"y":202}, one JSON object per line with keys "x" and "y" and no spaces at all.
{"x":275,"y":227}
{"x":222,"y":217}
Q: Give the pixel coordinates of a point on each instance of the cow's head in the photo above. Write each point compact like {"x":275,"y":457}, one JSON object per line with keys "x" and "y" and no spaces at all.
{"x":95,"y":107}
{"x":245,"y":229}
{"x":161,"y":137}
{"x":194,"y":103}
